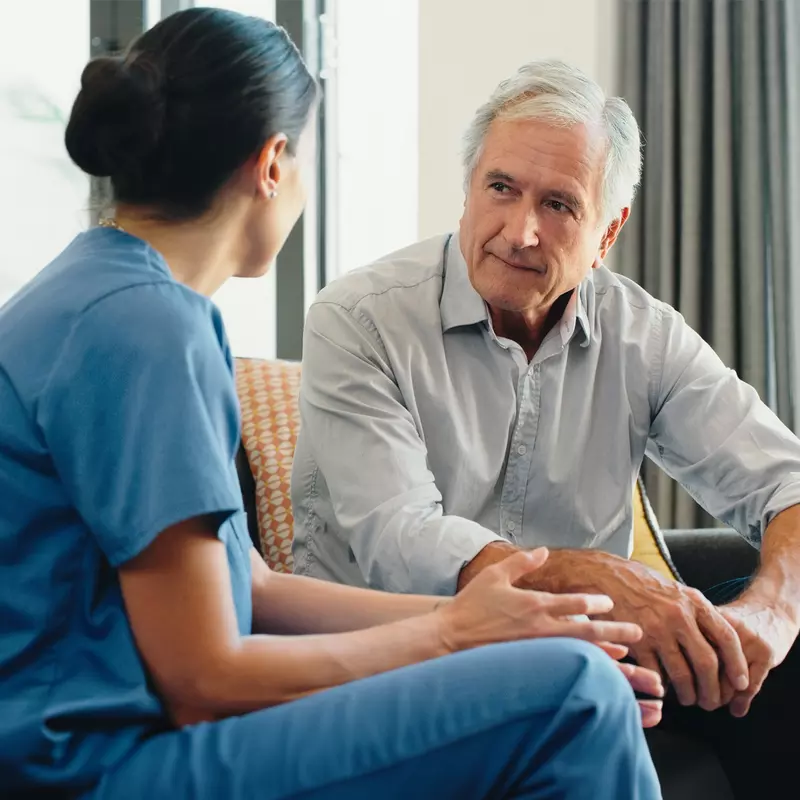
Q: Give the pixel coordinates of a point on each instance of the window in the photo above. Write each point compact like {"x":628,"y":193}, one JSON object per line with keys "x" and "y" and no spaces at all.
{"x":248,"y":305}
{"x":44,"y":199}
{"x":371,"y":79}
{"x":47,"y":200}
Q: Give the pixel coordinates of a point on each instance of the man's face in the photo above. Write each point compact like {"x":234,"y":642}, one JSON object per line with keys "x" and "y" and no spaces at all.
{"x":531,"y":228}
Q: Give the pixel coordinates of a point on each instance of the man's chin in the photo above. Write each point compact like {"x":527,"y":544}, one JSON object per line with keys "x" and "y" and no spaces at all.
{"x":513,"y":302}
{"x":513,"y":292}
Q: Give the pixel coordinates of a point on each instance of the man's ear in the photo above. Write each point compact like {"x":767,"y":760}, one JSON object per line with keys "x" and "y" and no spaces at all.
{"x":268,"y":166}
{"x":610,"y":236}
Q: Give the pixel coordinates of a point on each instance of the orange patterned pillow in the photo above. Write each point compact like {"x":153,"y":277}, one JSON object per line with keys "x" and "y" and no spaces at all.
{"x":268,"y":392}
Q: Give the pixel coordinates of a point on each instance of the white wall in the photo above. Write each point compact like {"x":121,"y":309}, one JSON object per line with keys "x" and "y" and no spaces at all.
{"x":466,"y":47}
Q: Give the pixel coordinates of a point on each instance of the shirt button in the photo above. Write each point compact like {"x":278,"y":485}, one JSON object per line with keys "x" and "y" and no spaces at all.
{"x":510,"y":526}
{"x":522,"y":449}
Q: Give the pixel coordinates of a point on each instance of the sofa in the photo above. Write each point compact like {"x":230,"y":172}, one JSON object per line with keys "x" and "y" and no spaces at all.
{"x":268,"y":392}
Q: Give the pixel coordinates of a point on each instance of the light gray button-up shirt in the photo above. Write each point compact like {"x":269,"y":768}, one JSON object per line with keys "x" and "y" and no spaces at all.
{"x":425,"y":436}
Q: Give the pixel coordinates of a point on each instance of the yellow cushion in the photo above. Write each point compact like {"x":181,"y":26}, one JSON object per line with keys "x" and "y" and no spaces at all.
{"x":645,"y":546}
{"x":268,"y":393}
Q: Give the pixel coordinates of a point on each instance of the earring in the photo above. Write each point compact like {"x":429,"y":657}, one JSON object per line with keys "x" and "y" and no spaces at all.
{"x":272,"y":195}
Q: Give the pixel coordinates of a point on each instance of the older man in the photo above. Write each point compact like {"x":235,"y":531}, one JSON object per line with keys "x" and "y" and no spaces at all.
{"x":498,"y":388}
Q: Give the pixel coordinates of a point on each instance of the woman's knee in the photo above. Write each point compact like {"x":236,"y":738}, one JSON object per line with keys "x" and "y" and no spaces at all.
{"x":561,"y":668}
{"x":558,"y":656}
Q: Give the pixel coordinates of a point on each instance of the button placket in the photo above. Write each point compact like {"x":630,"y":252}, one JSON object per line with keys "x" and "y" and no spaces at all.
{"x":515,"y":482}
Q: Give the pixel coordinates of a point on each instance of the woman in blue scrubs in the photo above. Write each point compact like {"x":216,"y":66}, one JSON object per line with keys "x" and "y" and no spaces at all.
{"x":146,"y":651}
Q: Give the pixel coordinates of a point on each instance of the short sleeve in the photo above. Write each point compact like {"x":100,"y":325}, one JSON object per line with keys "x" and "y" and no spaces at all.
{"x":141,"y":417}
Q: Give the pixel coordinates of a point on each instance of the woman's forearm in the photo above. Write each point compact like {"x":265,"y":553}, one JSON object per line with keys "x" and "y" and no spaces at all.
{"x":265,"y":671}
{"x":293,"y":604}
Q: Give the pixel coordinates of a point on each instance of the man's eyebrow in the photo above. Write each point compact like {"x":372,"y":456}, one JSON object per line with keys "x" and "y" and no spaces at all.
{"x":557,"y":194}
{"x":566,"y":197}
{"x":498,"y":175}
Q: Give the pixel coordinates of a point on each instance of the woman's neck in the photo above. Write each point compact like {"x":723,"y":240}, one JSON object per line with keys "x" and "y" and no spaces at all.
{"x":198,"y":252}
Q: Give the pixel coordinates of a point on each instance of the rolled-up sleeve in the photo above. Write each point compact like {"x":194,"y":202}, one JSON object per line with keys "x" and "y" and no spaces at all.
{"x":374,"y":461}
{"x":712,"y":433}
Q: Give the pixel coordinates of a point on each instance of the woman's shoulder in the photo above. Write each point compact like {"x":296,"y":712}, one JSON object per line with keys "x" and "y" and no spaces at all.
{"x":108,"y":293}
{"x":94,"y":268}
{"x":110,"y":267}
{"x":110,"y":299}
{"x":111,"y":285}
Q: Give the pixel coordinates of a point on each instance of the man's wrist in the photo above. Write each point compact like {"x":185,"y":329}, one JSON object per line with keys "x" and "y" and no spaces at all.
{"x":564,"y":570}
{"x":769,"y":594}
{"x":776,"y":585}
{"x":492,"y":553}
{"x":573,"y":571}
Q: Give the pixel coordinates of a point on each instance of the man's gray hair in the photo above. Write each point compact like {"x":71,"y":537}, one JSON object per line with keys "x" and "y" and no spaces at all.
{"x":558,"y":93}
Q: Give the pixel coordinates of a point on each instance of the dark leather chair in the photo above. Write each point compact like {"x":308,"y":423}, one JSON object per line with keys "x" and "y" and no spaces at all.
{"x":688,"y":769}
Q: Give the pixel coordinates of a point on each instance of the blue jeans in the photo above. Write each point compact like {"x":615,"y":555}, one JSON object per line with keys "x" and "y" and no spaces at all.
{"x":548,"y":718}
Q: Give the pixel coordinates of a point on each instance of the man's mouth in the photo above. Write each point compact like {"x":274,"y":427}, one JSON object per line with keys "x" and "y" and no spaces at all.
{"x":520,"y":265}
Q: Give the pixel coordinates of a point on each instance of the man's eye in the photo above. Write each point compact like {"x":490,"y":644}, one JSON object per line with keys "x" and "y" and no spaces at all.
{"x":499,"y":187}
{"x":558,"y":206}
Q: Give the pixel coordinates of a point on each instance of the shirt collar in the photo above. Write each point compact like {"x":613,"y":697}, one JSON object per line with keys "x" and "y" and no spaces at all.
{"x":585,"y":302}
{"x":575,"y":319}
{"x":461,"y":305}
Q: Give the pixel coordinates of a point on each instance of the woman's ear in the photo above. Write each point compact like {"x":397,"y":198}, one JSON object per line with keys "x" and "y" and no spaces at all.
{"x":268,"y":167}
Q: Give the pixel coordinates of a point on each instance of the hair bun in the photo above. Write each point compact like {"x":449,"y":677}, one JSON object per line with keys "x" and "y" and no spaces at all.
{"x":118,"y":116}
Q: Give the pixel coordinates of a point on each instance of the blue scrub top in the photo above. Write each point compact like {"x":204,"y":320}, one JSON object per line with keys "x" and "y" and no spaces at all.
{"x":119,"y":419}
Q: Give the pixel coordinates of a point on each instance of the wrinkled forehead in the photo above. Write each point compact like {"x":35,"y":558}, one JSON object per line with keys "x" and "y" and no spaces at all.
{"x":542,"y":151}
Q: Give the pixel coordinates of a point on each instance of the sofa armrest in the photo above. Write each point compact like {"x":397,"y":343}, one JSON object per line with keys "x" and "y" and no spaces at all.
{"x":710,"y":556}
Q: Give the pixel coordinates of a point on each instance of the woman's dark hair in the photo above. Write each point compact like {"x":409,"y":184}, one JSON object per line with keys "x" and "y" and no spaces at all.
{"x":188,"y":104}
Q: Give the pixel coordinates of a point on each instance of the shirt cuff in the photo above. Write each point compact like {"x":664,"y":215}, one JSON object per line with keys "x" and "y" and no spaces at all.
{"x":432,"y":562}
{"x":785,"y":496}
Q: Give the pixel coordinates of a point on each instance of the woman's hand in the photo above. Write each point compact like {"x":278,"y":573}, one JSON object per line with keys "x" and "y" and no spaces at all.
{"x":491,"y":609}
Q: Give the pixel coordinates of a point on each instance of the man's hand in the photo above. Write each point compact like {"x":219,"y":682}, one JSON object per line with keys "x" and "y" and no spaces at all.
{"x":685,"y":636}
{"x":493,"y":608}
{"x":766,"y":616}
{"x":766,"y":636}
{"x":683,"y":633}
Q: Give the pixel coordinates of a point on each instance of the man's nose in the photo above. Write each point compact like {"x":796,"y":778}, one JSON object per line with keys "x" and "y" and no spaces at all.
{"x":522,"y":229}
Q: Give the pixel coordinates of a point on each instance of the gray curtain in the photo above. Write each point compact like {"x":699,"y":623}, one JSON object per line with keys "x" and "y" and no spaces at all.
{"x":715,"y":86}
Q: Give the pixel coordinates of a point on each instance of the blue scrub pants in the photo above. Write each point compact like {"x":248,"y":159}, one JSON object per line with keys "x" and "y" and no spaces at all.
{"x":548,"y":718}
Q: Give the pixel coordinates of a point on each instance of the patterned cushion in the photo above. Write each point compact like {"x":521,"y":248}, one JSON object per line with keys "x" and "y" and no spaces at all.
{"x":268,"y":392}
